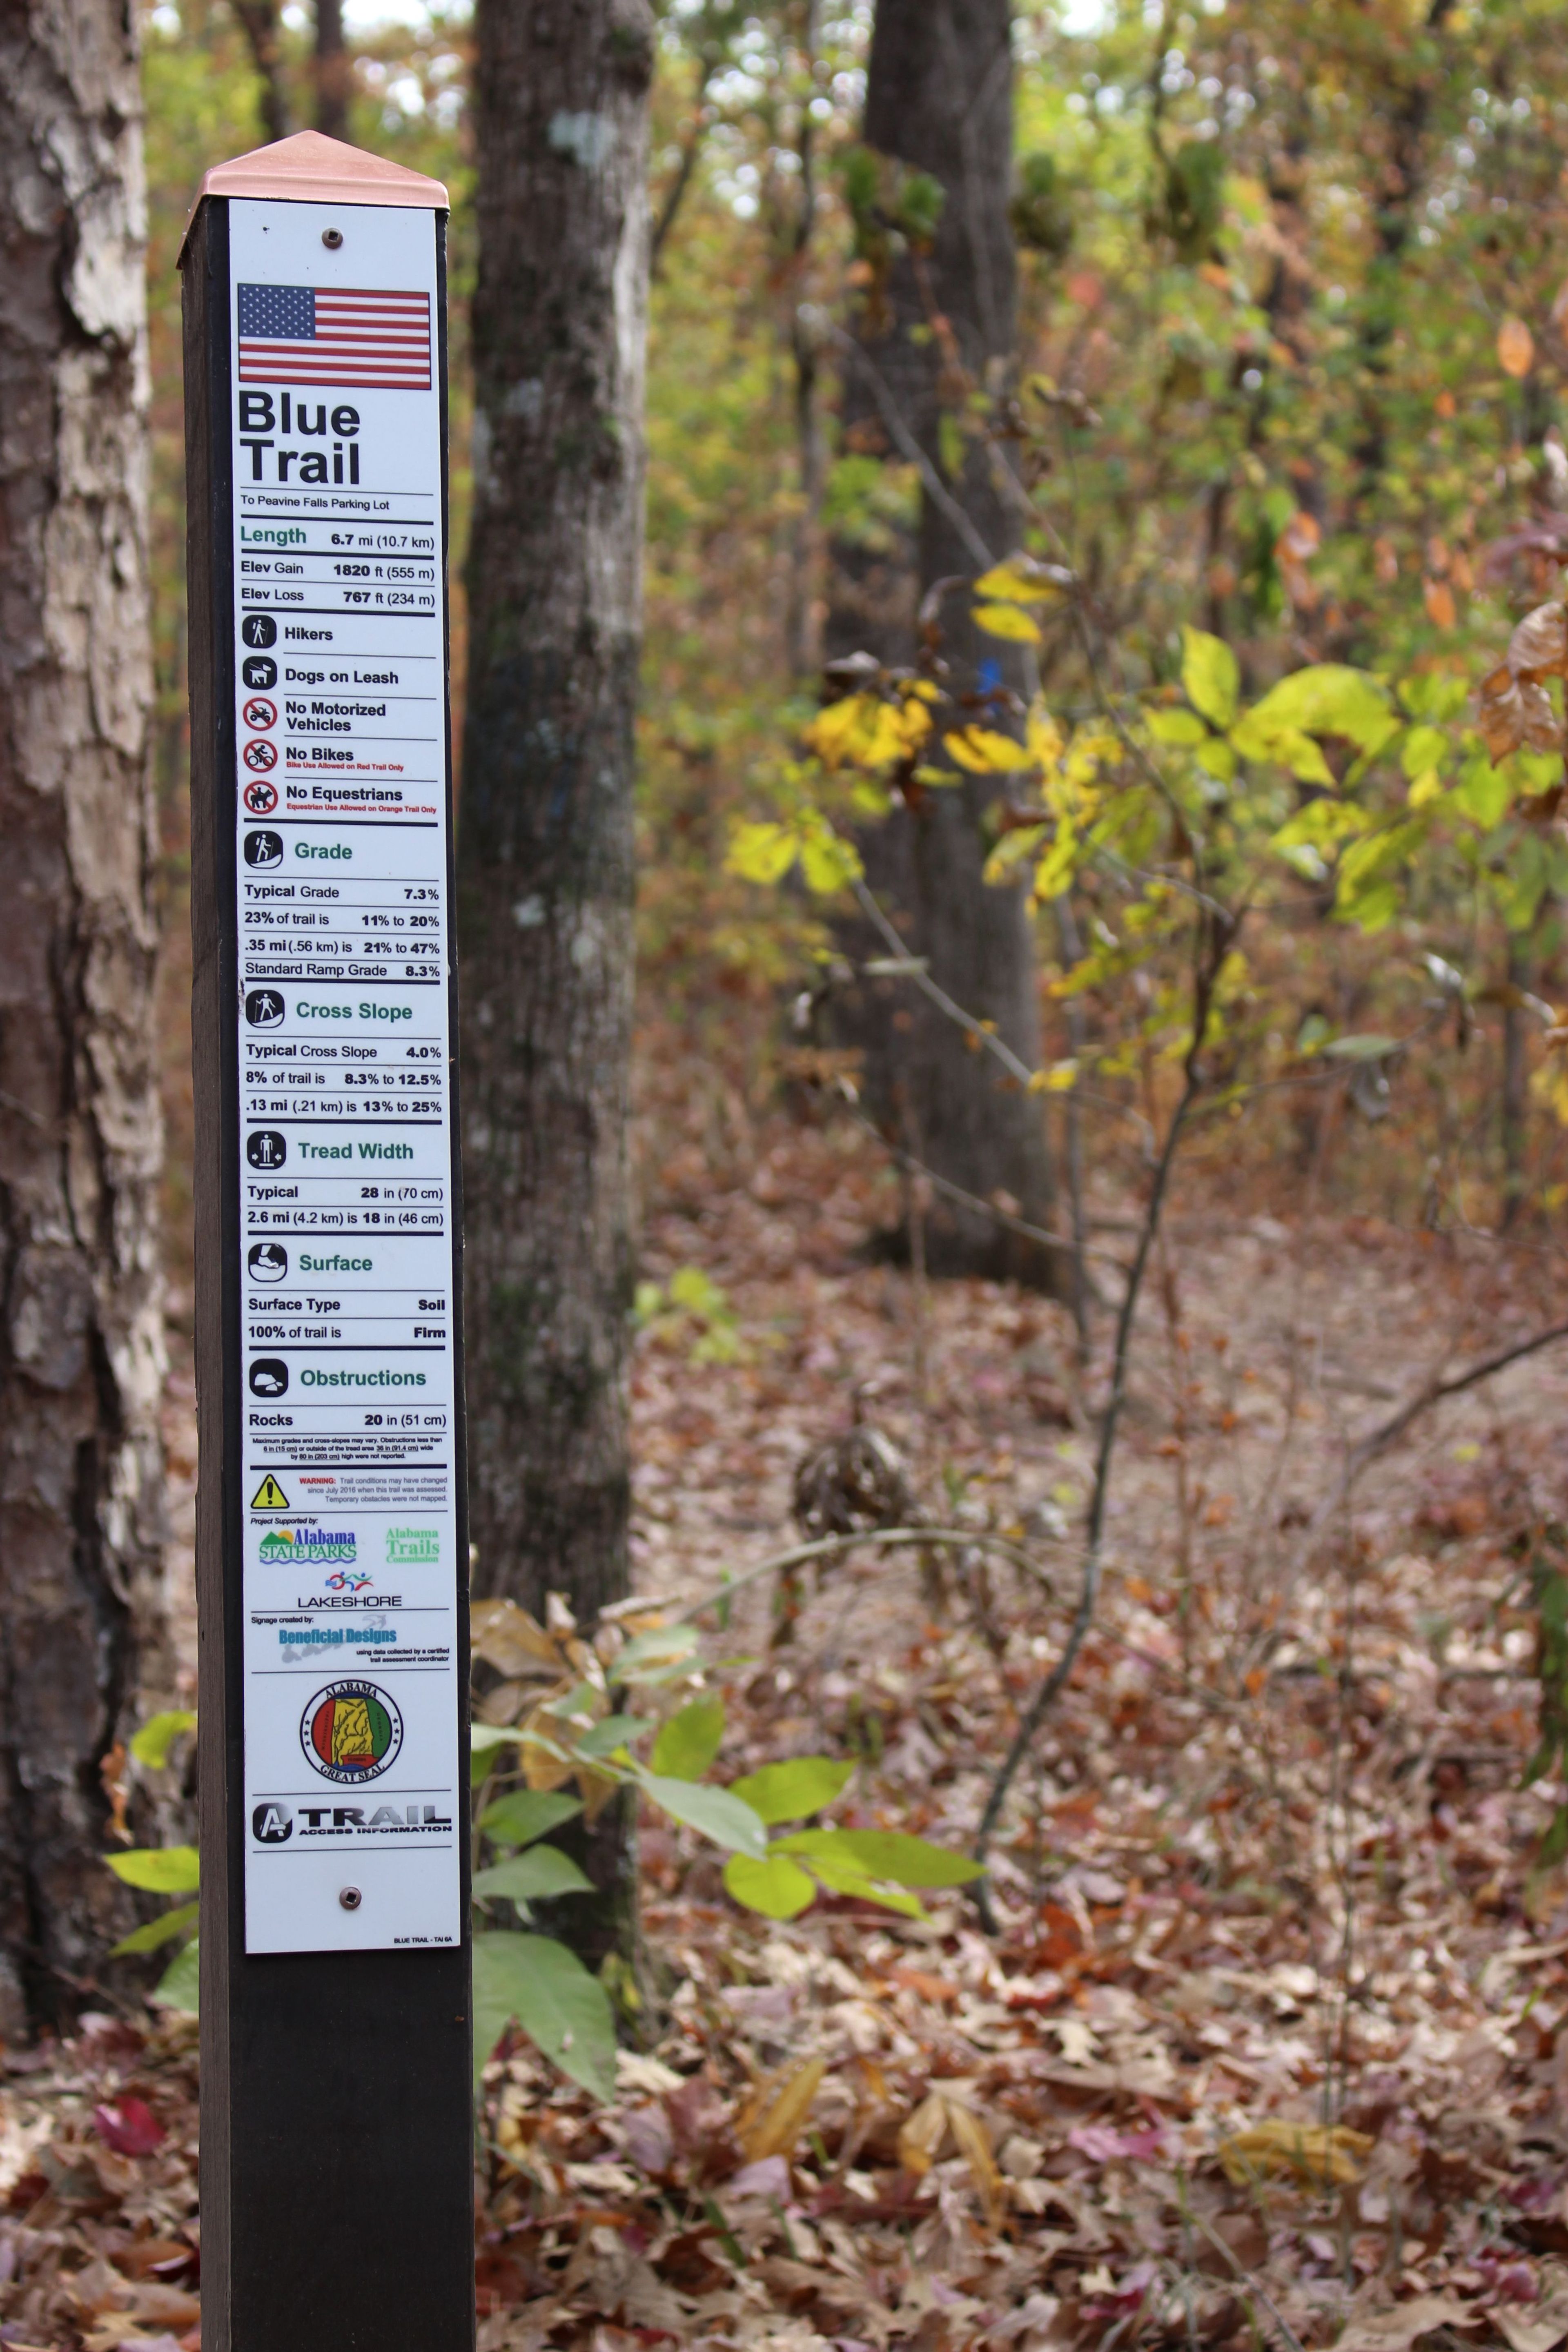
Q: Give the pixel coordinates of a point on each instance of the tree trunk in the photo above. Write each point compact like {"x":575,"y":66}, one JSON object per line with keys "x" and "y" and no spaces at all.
{"x":544,"y":845}
{"x":940,"y":323}
{"x":258,"y":22}
{"x":80,"y":1138}
{"x":1515,"y":1078}
{"x":331,"y":70}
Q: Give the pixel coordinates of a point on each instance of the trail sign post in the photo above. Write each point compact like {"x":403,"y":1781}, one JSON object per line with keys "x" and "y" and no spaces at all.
{"x":336,"y":2164}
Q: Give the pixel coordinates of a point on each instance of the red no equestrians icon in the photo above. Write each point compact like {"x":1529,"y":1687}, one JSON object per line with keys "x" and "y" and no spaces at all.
{"x":260,"y":755}
{"x":260,"y":713}
{"x":261,"y":800}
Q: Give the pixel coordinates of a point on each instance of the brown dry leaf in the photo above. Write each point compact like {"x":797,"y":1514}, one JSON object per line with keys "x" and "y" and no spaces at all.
{"x":1538,"y":646}
{"x":1438,"y":598}
{"x":1537,"y":2326}
{"x":1313,"y":2152}
{"x":1515,"y":347}
{"x":1396,"y":2329}
{"x":773,"y":2130}
{"x":921,"y":2134}
{"x":509,"y":1639}
{"x":1542,"y":727}
{"x":975,"y":2147}
{"x":1500,"y":714}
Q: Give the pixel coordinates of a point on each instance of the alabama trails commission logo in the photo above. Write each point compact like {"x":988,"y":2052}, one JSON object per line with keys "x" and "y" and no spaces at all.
{"x":351,"y":1732}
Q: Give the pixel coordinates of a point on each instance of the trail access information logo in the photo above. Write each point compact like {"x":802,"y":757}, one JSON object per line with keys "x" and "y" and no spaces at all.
{"x":308,"y":1546}
{"x":351,"y":1732}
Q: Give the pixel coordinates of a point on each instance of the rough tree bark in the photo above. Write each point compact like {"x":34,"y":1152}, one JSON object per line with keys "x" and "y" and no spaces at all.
{"x":544,"y":847}
{"x":939,"y":100}
{"x":81,"y":1139}
{"x":258,"y":21}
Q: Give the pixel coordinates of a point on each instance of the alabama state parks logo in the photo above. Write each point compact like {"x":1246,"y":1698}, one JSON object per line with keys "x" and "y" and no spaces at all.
{"x":351,"y":1732}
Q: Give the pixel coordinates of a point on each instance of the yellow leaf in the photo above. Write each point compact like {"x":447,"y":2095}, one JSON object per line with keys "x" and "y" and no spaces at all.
{"x":761,"y":853}
{"x":1315,"y":2154}
{"x":1061,"y":1077}
{"x":1043,"y":736}
{"x":1012,"y":851}
{"x":1007,"y":621}
{"x":986,"y":752}
{"x":1515,"y":347}
{"x":1428,"y":787}
{"x":509,"y":1639}
{"x":774,"y":2128}
{"x":921,"y":2134}
{"x":1018,"y":581}
{"x":974,"y":2148}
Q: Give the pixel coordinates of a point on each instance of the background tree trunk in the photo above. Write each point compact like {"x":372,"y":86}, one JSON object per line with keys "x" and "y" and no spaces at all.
{"x":332,"y":77}
{"x":939,"y":99}
{"x":545,"y":847}
{"x":81,"y":1139}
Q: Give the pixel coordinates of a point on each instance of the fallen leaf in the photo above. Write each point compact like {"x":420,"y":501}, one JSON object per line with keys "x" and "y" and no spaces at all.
{"x":1396,"y":2329}
{"x":1515,"y":347}
{"x":1314,"y":2153}
{"x":773,"y":2130}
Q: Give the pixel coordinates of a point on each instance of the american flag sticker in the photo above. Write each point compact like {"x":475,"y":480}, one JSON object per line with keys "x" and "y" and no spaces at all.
{"x":373,"y":338}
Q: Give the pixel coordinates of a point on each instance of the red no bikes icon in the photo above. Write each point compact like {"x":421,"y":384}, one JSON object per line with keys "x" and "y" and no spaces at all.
{"x":260,"y":713}
{"x":260,"y":755}
{"x":260,"y":799}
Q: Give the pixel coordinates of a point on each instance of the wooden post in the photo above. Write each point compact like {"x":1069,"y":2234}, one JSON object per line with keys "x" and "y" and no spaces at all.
{"x":331,"y":1547}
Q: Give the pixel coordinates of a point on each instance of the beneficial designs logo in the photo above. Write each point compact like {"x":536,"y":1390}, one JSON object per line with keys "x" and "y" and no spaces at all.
{"x":351,"y":1732}
{"x":307,"y":1547}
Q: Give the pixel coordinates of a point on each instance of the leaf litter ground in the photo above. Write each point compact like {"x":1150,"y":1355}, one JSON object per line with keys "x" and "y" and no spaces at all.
{"x":1267,"y":2048}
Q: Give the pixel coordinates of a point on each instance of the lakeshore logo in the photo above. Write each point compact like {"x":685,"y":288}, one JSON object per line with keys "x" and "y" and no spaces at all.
{"x":351,"y":1731}
{"x":307,"y":1547}
{"x":348,"y":1579}
{"x":414,"y":1547}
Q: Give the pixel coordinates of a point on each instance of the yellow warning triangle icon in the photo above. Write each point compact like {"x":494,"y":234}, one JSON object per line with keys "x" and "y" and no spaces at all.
{"x":269,"y":1496}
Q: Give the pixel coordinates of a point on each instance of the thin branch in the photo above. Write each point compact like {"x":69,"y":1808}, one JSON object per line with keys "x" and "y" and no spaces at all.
{"x":1378,"y":1439}
{"x":1083,"y":1616}
{"x":985,"y":1038}
{"x":690,"y":149}
{"x":881,"y":1540}
{"x":907,"y":1160}
{"x":936,"y":489}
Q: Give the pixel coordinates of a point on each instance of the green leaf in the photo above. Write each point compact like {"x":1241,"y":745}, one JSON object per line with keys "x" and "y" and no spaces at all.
{"x":525,"y":1814}
{"x":1330,"y":699}
{"x":1211,"y":675}
{"x":1175,"y":726}
{"x":528,"y":1877}
{"x":793,"y":1790}
{"x":718,"y":1813}
{"x":664,"y":1646}
{"x":778,"y":1887}
{"x":885,"y":1854}
{"x":157,"y":1931}
{"x":1321,"y":824}
{"x":159,"y":1869}
{"x":613,"y":1731}
{"x":1257,"y":737}
{"x":689,"y":1741}
{"x":180,"y":1986}
{"x":484,"y":1738}
{"x":1009,"y":622}
{"x":563,"y":2011}
{"x":1370,"y":1047}
{"x":842,"y":1877}
{"x":1424,"y":748}
{"x":1483,"y":791}
{"x":151,"y":1744}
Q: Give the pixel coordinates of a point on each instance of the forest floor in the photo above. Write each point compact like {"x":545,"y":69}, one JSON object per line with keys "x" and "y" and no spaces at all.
{"x":1272,"y":2044}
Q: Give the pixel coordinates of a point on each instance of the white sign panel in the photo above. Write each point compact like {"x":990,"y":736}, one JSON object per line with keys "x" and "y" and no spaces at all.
{"x":353,"y":1805}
